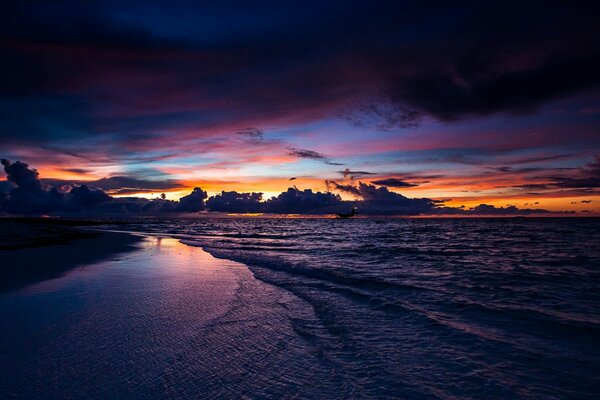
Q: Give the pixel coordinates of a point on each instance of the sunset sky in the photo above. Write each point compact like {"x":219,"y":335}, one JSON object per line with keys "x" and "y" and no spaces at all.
{"x":482,"y":102}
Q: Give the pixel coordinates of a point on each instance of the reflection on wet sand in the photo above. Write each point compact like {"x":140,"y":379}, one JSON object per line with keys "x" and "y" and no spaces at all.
{"x":165,"y":320}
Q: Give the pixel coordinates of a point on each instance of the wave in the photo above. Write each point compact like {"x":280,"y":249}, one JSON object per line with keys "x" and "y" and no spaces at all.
{"x":509,"y":306}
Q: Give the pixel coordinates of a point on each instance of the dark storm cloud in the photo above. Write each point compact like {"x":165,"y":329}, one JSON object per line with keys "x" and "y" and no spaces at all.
{"x":519,"y":91}
{"x":505,"y":57}
{"x":80,"y":69}
{"x":393,"y":182}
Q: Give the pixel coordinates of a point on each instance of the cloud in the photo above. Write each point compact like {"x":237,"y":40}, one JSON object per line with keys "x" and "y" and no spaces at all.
{"x":126,"y":74}
{"x":379,"y":200}
{"x":311,"y":155}
{"x":126,"y":184}
{"x":28,"y":195}
{"x":393,"y":182}
{"x":491,"y":210}
{"x":586,"y":177}
{"x":574,"y":183}
{"x":22,"y":176}
{"x":354,"y":174}
{"x":193,"y":202}
{"x":253,"y":133}
{"x":234,"y":202}
{"x":82,"y":197}
{"x":439,"y":93}
{"x":381,"y":116}
{"x":5,"y":186}
{"x":81,"y":171}
{"x":486,"y":209}
{"x":292,"y":201}
{"x":333,"y":185}
{"x":295,"y":201}
{"x":120,"y":185}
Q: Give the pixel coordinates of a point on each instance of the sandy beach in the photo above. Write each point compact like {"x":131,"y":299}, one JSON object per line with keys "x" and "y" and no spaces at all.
{"x":161,"y":320}
{"x":33,"y":250}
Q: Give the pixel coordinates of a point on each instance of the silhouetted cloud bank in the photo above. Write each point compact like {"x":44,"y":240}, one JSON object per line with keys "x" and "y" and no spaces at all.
{"x":379,"y":200}
{"x":29,"y":195}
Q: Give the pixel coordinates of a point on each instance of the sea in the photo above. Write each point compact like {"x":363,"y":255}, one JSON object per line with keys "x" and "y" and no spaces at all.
{"x":403,"y":308}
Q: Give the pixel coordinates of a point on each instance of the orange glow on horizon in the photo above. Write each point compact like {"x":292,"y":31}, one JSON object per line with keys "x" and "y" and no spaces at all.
{"x":467,"y":190}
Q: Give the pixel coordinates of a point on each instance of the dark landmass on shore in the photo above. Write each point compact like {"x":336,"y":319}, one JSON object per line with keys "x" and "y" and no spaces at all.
{"x":36,"y":249}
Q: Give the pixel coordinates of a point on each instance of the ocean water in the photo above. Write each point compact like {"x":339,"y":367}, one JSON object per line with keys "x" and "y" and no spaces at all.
{"x":422,"y":308}
{"x":320,"y":308}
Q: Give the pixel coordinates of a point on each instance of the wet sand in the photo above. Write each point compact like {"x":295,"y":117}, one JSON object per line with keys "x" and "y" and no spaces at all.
{"x":164,"y":321}
{"x":34,"y":250}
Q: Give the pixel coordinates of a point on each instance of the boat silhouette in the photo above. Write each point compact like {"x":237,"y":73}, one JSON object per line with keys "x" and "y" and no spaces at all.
{"x":347,"y":215}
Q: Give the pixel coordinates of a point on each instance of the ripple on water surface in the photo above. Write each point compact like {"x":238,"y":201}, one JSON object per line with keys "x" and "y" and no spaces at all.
{"x":500,"y":308}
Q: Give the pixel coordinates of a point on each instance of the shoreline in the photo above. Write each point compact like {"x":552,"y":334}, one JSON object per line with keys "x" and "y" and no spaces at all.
{"x":137,"y":324}
{"x":34,"y":251}
{"x":168,"y":320}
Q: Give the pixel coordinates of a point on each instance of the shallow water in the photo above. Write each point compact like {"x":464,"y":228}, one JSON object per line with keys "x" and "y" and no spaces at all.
{"x":455,"y":308}
{"x":366,"y":308}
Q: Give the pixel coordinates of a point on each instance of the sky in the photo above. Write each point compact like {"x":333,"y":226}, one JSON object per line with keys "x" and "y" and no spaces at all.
{"x":458,"y":103}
